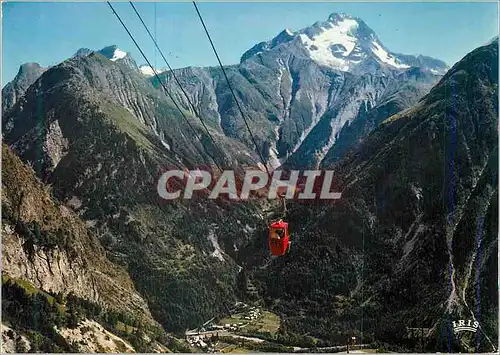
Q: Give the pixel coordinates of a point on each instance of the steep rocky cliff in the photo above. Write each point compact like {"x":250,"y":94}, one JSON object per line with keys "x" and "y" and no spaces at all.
{"x":48,"y":245}
{"x":15,"y":89}
{"x":56,"y":277}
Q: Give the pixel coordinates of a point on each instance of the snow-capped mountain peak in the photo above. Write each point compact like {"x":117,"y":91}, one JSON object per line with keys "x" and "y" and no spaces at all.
{"x":113,"y":53}
{"x":331,"y":42}
{"x":147,"y":71}
{"x":118,"y":54}
{"x":344,"y":43}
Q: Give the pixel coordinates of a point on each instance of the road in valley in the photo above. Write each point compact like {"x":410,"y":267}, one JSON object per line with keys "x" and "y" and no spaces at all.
{"x":224,"y":333}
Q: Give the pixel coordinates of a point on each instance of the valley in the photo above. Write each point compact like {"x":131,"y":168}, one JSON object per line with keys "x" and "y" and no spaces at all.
{"x":250,"y":329}
{"x":95,"y":259}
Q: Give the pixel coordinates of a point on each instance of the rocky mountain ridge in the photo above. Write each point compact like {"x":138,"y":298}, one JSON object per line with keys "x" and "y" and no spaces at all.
{"x":291,"y":92}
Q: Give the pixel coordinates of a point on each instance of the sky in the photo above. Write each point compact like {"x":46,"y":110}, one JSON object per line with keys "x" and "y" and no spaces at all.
{"x":48,"y":33}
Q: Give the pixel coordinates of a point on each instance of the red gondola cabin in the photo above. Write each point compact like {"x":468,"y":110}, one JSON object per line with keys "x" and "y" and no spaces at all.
{"x":278,"y":238}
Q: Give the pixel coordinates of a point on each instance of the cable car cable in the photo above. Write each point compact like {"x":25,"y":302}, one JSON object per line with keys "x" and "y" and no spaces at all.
{"x":161,"y":83}
{"x":237,"y":102}
{"x":159,"y":80}
{"x":173,"y":74}
{"x":173,"y":100}
{"x":231,"y":89}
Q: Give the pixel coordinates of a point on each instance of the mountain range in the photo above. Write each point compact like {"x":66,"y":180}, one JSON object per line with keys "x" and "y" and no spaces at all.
{"x":414,"y":144}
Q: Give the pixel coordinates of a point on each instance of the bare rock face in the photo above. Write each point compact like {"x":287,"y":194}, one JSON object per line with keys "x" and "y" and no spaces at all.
{"x":28,"y":73}
{"x":91,"y":337}
{"x":56,"y":145}
{"x":13,"y":342}
{"x":51,"y":270}
{"x":52,"y":145}
{"x":49,"y":246}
